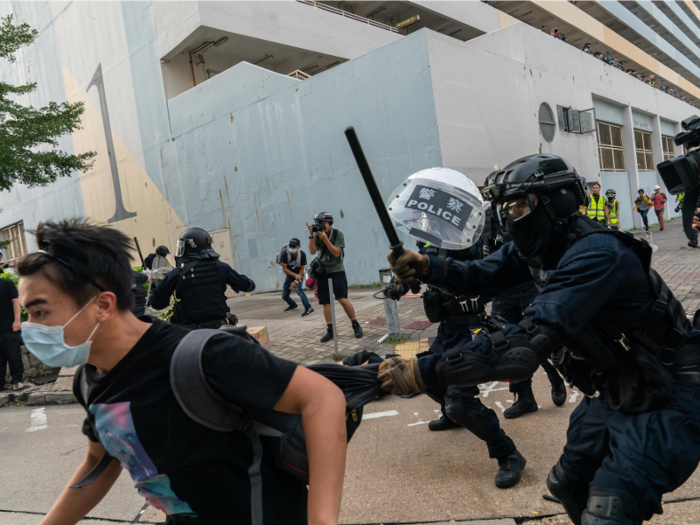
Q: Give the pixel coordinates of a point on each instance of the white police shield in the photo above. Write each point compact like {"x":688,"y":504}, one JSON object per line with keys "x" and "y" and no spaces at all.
{"x":440,"y":206}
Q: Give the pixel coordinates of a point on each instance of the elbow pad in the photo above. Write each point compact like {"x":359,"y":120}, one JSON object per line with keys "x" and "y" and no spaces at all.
{"x":515,"y":357}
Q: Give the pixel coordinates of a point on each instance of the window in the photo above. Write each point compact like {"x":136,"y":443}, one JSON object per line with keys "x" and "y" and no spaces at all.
{"x":612,"y":156}
{"x":669,"y":151}
{"x":575,"y":121}
{"x":642,"y":143}
{"x":547,"y":124}
{"x":18,"y":243}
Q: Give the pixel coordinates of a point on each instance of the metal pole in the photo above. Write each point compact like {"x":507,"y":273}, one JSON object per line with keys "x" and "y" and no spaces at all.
{"x":335,"y":330}
{"x":391,"y":312}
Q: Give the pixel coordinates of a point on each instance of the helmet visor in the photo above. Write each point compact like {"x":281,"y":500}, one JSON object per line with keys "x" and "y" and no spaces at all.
{"x":518,"y":208}
{"x":180,"y":250}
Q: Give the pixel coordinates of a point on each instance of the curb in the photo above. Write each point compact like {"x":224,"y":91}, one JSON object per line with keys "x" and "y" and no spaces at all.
{"x":34,"y":398}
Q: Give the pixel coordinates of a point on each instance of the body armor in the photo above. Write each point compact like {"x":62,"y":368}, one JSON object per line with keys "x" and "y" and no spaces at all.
{"x":453,"y":310}
{"x":199,"y":293}
{"x":628,"y":355}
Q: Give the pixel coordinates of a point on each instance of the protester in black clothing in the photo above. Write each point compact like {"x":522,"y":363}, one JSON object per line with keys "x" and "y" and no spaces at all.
{"x":3,"y":264}
{"x":139,"y":279}
{"x":10,"y":324}
{"x":195,"y":474}
{"x":199,"y":283}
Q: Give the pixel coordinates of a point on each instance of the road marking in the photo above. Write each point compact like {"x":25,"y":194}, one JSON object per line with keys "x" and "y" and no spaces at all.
{"x":375,"y":415}
{"x":486,"y":390}
{"x":3,"y":429}
{"x":500,"y":405}
{"x":418,"y":423}
{"x":39,"y":420}
{"x":573,"y":397}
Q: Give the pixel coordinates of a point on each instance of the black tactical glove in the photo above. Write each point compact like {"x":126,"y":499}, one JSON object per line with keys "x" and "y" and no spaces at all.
{"x":394,"y":291}
{"x":409,"y":267}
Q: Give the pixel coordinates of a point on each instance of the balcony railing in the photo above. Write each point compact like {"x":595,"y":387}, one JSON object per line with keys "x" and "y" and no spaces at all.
{"x":352,"y":16}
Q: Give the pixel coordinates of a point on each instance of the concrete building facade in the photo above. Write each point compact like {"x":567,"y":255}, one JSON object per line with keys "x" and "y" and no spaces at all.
{"x":251,"y":153}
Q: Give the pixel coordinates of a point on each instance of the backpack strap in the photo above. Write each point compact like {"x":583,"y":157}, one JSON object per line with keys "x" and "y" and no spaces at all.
{"x":206,"y":407}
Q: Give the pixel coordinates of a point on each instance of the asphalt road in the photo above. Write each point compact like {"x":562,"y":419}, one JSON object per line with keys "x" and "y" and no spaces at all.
{"x":398,"y":471}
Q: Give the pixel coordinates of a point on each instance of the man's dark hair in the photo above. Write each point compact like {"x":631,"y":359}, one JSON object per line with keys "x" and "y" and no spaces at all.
{"x":595,"y":184}
{"x":82,"y":259}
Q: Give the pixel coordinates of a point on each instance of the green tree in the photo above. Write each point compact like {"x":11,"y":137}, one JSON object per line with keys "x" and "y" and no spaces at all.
{"x":29,"y":136}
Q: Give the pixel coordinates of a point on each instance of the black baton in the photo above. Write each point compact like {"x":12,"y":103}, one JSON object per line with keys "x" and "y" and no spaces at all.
{"x":394,"y":242}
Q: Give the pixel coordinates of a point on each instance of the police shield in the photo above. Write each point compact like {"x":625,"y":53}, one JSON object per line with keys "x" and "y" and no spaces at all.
{"x":440,"y":206}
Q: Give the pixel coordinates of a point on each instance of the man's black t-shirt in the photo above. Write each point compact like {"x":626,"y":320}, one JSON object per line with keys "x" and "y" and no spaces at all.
{"x":290,"y":259}
{"x":180,"y":466}
{"x":138,"y":280}
{"x":8,"y":291}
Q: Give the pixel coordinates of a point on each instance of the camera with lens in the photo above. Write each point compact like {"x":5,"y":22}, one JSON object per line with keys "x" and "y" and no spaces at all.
{"x":317,"y":227}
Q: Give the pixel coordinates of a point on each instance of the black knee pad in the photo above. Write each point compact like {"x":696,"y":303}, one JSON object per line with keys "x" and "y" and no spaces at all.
{"x":474,"y":420}
{"x":571,"y":492}
{"x":611,"y":507}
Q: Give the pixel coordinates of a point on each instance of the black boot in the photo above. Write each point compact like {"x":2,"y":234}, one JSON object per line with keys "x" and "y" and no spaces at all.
{"x":510,"y":469}
{"x":525,"y":402}
{"x":443,"y":424}
{"x":357,"y":329}
{"x":559,"y":394}
{"x":329,"y":334}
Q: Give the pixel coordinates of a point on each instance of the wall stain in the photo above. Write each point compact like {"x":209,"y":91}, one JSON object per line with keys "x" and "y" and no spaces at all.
{"x":223,"y":213}
{"x":289,"y":201}
{"x":257,"y":216}
{"x":342,"y":215}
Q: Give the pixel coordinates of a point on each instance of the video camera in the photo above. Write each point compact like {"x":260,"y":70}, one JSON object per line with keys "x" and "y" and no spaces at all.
{"x":682,"y":173}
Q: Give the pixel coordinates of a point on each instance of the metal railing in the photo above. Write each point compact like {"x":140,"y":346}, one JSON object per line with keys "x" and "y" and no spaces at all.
{"x":352,"y":16}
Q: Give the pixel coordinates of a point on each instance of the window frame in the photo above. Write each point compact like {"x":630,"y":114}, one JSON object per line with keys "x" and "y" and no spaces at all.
{"x":541,"y":122}
{"x":645,"y":153}
{"x":667,"y":140}
{"x":17,"y":248}
{"x":611,"y":147}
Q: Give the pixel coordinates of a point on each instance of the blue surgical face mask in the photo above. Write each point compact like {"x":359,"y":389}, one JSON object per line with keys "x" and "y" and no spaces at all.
{"x":48,"y":345}
{"x":293,"y":250}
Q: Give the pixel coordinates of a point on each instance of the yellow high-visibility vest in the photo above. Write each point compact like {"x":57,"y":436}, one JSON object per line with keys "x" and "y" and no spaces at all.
{"x":596,"y":210}
{"x":612,"y":212}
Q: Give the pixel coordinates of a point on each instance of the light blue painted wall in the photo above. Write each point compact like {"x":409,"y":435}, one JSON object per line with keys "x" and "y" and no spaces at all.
{"x":272,"y":150}
{"x":668,"y":128}
{"x":619,"y":181}
{"x":642,"y":121}
{"x":64,"y":198}
{"x":608,"y":112}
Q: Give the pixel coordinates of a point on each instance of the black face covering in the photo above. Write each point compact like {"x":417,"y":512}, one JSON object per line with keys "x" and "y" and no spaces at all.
{"x":531,"y":234}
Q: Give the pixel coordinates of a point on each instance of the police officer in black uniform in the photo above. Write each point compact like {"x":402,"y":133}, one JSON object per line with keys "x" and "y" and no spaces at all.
{"x":511,"y":306}
{"x":461,"y":407}
{"x":161,"y":250}
{"x":612,"y":327}
{"x":199,"y":283}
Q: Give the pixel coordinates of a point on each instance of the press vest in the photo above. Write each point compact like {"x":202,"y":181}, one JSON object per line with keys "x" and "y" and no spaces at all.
{"x":596,"y":210}
{"x":200,"y":294}
{"x":612,"y":211}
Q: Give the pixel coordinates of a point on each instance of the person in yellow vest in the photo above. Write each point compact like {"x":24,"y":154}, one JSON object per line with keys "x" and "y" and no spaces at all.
{"x":582,"y":208}
{"x":597,"y":209}
{"x":613,"y":210}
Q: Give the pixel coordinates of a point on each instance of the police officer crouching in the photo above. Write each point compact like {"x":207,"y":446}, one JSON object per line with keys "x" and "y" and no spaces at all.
{"x":611,"y":326}
{"x":199,"y":283}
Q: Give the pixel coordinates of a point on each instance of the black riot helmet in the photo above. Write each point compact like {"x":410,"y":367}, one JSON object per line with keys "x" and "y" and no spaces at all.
{"x":195,"y":243}
{"x":537,"y":197}
{"x":324,"y":216}
{"x":162,"y":250}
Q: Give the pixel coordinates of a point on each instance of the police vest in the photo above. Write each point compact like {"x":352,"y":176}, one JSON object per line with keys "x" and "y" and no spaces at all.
{"x":441,"y":307}
{"x":628,"y":354}
{"x":200,"y":294}
{"x":596,"y":210}
{"x":612,"y":211}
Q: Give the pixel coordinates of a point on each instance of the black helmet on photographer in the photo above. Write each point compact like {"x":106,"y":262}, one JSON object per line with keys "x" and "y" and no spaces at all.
{"x":537,"y":199}
{"x":320,"y":218}
{"x":195,"y":243}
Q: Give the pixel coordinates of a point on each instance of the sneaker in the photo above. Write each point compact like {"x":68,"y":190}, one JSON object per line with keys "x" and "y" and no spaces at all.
{"x":559,"y":394}
{"x":661,"y":228}
{"x":525,"y":403}
{"x":327,"y":337}
{"x":647,"y":228}
{"x":443,"y":424}
{"x":291,"y":309}
{"x":510,"y":470}
{"x":358,"y":330}
{"x":308,"y":312}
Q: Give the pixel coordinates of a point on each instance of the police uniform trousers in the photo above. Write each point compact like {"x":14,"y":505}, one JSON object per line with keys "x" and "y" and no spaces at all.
{"x":646,"y":455}
{"x":511,"y":307}
{"x":449,"y":337}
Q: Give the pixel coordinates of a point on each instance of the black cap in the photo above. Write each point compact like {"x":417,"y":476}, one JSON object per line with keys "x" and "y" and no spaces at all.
{"x":294,"y":242}
{"x":162,"y":250}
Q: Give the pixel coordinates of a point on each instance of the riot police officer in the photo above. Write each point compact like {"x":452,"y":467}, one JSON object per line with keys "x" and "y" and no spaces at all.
{"x":612,"y":327}
{"x":457,"y":316}
{"x":510,"y":306}
{"x":199,"y":283}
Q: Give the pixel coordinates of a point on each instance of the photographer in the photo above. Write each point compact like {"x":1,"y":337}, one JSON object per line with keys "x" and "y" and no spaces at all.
{"x":330,"y":242}
{"x":293,"y":261}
